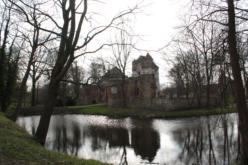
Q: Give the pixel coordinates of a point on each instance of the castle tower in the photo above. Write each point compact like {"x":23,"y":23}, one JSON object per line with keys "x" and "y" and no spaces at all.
{"x":145,"y":65}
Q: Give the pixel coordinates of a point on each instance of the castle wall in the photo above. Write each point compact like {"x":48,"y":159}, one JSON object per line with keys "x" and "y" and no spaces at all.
{"x":92,"y":94}
{"x":140,"y":89}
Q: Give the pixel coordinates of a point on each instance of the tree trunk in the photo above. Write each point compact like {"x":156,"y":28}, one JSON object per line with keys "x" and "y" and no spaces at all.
{"x":208,"y":94}
{"x":42,"y":129}
{"x":3,"y":78}
{"x":240,"y":94}
{"x":56,"y":78}
{"x":208,"y":82}
{"x":33,"y":98}
{"x":3,"y":66}
{"x":33,"y":90}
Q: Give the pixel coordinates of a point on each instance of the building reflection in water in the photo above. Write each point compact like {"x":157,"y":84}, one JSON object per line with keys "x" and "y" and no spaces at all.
{"x":144,"y":142}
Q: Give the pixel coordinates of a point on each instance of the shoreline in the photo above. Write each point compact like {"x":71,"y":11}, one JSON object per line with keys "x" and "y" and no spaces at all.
{"x":101,"y":109}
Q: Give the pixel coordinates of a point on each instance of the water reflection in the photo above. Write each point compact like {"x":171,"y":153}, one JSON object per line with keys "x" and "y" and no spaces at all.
{"x":144,"y":142}
{"x":213,"y":140}
{"x":109,"y":138}
{"x":63,"y":142}
{"x":148,"y":146}
{"x":115,"y":137}
{"x":206,"y":140}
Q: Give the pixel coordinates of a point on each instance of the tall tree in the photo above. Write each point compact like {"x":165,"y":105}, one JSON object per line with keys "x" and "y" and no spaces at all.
{"x":9,"y":56}
{"x":239,"y":88}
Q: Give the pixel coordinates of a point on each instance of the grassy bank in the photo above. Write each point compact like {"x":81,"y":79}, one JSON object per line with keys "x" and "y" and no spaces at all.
{"x":19,"y":148}
{"x":144,"y":113}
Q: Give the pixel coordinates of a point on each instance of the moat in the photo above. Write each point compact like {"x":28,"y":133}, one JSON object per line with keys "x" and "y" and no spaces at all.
{"x":202,"y":140}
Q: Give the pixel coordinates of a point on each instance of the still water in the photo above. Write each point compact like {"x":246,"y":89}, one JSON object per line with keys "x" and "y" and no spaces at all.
{"x":204,"y":140}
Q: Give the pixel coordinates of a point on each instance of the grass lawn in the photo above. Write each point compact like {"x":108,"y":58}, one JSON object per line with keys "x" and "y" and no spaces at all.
{"x":144,"y":113}
{"x":18,"y":148}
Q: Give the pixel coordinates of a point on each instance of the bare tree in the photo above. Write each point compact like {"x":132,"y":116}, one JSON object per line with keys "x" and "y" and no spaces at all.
{"x":77,"y":74}
{"x":204,"y":41}
{"x":96,"y":71}
{"x":38,"y":68}
{"x":121,"y":49}
{"x":34,"y":41}
{"x":69,"y":87}
{"x":177,"y":74}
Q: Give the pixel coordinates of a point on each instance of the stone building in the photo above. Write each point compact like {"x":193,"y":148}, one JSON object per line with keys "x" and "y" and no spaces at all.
{"x":145,"y":66}
{"x":140,"y":89}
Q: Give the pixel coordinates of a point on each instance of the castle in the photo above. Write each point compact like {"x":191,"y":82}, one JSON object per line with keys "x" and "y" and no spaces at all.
{"x":140,"y":89}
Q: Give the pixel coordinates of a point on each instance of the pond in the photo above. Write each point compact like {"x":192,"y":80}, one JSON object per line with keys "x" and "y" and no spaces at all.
{"x":202,"y":140}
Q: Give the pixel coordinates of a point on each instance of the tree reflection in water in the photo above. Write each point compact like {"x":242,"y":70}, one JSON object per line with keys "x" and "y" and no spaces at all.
{"x":76,"y":139}
{"x":61,"y":140}
{"x":213,"y":141}
{"x":66,"y":138}
{"x":207,"y":140}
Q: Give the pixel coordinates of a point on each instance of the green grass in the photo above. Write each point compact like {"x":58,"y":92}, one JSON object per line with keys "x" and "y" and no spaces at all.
{"x":19,"y":148}
{"x":144,"y":113}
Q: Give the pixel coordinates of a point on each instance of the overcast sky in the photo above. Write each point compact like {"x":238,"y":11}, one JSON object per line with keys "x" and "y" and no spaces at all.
{"x":156,"y":24}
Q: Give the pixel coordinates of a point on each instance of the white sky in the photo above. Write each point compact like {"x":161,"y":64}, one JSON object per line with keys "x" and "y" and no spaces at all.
{"x":156,"y":25}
